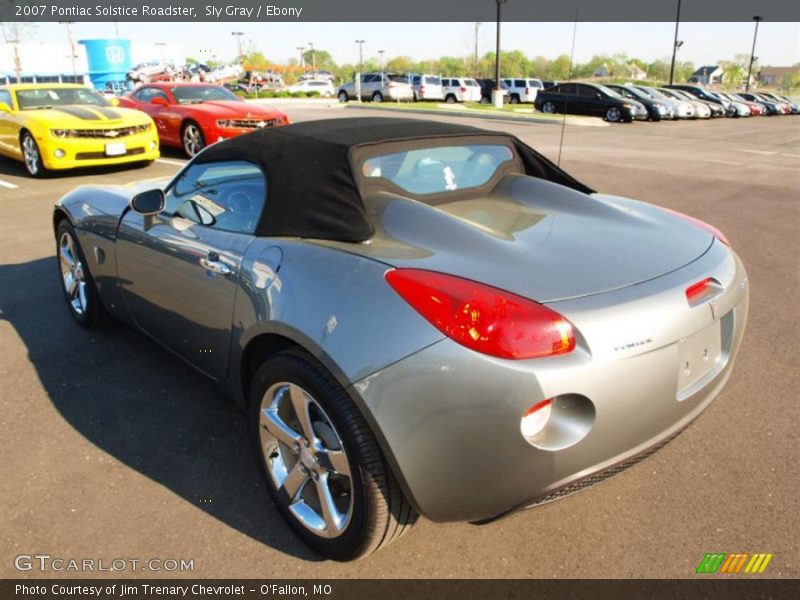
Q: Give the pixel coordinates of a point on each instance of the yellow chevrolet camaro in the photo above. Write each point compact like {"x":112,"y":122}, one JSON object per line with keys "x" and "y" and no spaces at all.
{"x":63,"y":126}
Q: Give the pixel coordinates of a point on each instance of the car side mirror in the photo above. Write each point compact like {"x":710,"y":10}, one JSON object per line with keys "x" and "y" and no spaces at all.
{"x":148,"y":203}
{"x":4,"y":107}
{"x":159,"y":100}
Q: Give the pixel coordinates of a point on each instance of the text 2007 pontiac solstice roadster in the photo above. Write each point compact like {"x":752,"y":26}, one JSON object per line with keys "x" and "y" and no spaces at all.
{"x":420,"y":318}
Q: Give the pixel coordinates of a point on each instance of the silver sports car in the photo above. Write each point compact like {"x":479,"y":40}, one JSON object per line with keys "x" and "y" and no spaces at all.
{"x":420,"y":318}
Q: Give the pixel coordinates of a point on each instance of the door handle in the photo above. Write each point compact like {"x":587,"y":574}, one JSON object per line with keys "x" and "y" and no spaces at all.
{"x":214,"y":264}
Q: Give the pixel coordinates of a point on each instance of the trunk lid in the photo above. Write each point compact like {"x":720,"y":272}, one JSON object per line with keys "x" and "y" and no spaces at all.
{"x":534,"y":238}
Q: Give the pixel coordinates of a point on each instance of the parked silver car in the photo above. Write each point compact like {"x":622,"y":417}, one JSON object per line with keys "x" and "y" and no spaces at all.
{"x":377,"y":87}
{"x":418,"y":317}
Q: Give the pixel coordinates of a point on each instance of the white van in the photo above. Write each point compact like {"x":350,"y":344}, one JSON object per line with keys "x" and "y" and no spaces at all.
{"x":460,"y":89}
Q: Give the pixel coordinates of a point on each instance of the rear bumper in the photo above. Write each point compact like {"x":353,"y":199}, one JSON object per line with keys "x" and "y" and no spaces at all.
{"x":449,"y":418}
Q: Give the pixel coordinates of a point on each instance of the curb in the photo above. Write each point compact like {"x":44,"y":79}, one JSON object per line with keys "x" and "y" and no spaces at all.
{"x":476,"y":115}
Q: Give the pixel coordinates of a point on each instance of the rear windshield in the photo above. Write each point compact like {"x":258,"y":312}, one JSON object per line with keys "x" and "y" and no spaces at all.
{"x":441,"y":169}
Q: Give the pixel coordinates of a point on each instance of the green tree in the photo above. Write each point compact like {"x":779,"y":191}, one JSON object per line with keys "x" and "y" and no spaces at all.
{"x":255,"y":61}
{"x":400,"y":64}
{"x":322,"y":58}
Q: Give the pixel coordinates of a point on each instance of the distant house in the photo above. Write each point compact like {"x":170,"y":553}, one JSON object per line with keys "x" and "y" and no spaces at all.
{"x":635,"y":72}
{"x":707,"y":75}
{"x":601,"y":71}
{"x":774,"y":76}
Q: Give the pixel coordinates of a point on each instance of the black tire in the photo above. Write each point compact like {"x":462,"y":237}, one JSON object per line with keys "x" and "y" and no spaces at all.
{"x":35,"y":167}
{"x":514,"y":99}
{"x":94,"y":314}
{"x":381,"y":512}
{"x":549,"y":108}
{"x":485,"y":100}
{"x":377,"y":97}
{"x":201,"y":138}
{"x":343,"y":97}
{"x":450,"y":99}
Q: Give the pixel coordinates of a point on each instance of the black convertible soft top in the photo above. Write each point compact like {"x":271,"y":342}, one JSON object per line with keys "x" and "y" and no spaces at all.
{"x":312,"y":191}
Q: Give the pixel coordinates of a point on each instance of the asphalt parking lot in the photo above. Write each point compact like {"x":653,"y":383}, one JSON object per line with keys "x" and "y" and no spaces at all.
{"x":113,"y":448}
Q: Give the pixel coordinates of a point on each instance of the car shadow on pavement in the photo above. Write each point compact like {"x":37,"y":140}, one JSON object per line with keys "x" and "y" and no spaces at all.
{"x":144,"y":407}
{"x":13,"y":168}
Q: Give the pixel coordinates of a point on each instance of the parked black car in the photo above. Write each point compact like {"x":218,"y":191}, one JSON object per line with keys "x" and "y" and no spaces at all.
{"x":589,"y":99}
{"x":487,"y":86}
{"x":548,"y":83}
{"x":656,"y":109}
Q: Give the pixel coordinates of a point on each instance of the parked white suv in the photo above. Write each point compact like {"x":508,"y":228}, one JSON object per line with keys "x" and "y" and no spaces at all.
{"x":523,"y":90}
{"x":460,"y":89}
{"x":426,"y":87}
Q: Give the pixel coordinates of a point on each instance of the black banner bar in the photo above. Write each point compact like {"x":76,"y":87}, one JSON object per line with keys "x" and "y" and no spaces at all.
{"x":370,"y":589}
{"x":393,"y":11}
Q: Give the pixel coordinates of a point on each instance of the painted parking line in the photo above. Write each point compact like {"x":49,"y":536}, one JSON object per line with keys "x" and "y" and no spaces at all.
{"x":8,"y":185}
{"x":762,"y":152}
{"x":170,"y":162}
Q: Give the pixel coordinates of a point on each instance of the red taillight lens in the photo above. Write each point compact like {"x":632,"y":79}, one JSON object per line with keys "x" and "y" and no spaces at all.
{"x":702,"y":224}
{"x":702,"y":290}
{"x":463,"y":89}
{"x":483,"y":318}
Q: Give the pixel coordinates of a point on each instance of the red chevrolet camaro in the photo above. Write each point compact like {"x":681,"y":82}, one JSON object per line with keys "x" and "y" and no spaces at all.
{"x":193,"y":115}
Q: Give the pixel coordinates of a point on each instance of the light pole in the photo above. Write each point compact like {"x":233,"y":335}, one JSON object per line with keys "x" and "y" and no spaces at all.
{"x":302,"y":59}
{"x":675,"y":44}
{"x":758,"y":20}
{"x":381,"y":53}
{"x":68,"y":25}
{"x":360,"y":67}
{"x":161,"y":46}
{"x":313,"y":57}
{"x":475,"y":64}
{"x":238,"y":35}
{"x":497,"y":93}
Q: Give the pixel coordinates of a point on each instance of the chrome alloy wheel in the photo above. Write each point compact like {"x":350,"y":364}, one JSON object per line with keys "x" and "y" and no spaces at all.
{"x":613,"y":114}
{"x":30,"y":153}
{"x":72,"y":274}
{"x":549,"y":108}
{"x":306,"y":460}
{"x":192,"y":139}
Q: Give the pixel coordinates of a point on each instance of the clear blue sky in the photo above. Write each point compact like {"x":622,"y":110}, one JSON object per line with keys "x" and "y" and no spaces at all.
{"x":778,"y":43}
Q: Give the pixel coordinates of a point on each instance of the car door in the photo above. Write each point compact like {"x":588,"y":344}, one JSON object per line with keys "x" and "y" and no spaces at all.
{"x":567,"y":98}
{"x":9,"y":127}
{"x":179,"y":271}
{"x":591,"y":101}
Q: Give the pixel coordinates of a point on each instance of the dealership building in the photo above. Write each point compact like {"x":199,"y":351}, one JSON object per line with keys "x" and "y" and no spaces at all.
{"x":102,"y":62}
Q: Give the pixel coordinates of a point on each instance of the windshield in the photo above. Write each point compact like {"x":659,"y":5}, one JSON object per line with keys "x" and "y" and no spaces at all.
{"x":650,"y":92}
{"x":193,"y":94}
{"x":440,"y":169}
{"x":50,"y":97}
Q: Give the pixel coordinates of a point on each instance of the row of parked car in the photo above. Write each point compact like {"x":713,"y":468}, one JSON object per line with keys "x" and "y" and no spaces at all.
{"x":613,"y":102}
{"x":631,"y":102}
{"x":379,"y":87}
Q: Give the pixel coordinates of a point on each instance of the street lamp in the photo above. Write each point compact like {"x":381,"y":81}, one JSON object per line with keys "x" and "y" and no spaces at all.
{"x":302,"y":59}
{"x":497,"y":93}
{"x":676,"y":44}
{"x":758,"y":20}
{"x":381,"y":53}
{"x":313,"y":57}
{"x":238,"y":35}
{"x":68,"y":25}
{"x":475,"y":64}
{"x":360,"y":67}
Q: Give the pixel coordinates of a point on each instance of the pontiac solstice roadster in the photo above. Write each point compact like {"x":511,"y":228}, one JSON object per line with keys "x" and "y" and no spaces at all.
{"x":419,"y":318}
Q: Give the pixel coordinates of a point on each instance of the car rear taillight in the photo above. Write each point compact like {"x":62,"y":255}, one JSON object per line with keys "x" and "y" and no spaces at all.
{"x":463,"y":89}
{"x":702,"y":290}
{"x":702,"y":224}
{"x":484,"y":318}
{"x":527,"y":91}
